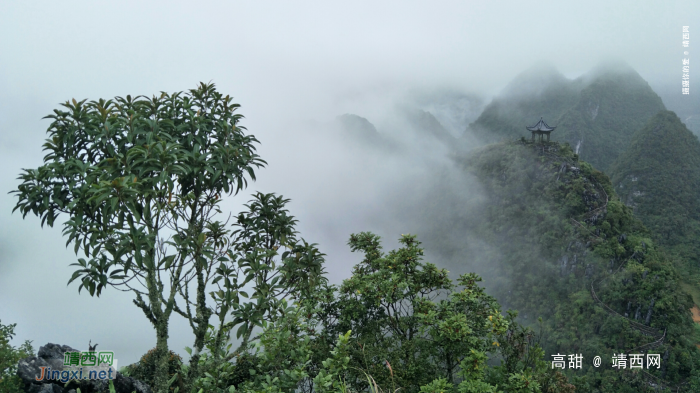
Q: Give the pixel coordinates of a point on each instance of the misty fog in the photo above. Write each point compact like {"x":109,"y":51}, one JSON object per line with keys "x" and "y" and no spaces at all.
{"x":306,"y":75}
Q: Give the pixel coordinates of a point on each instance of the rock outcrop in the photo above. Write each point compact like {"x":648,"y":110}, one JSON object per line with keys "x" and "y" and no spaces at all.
{"x":51,"y":355}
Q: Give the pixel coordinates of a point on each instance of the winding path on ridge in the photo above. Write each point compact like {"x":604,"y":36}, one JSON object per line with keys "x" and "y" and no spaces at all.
{"x":657,"y":336}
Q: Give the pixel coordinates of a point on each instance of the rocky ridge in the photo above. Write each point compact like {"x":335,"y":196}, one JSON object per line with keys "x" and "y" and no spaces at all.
{"x":51,"y":355}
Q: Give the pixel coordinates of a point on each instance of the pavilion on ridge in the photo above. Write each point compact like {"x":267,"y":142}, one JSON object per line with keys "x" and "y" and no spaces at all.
{"x":541,"y":129}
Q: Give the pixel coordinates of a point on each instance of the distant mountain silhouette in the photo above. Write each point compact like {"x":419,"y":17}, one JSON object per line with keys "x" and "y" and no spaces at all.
{"x":596,"y":113}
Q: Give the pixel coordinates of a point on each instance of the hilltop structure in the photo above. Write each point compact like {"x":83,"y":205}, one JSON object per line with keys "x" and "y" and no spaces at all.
{"x":586,"y":109}
{"x":541,"y":129}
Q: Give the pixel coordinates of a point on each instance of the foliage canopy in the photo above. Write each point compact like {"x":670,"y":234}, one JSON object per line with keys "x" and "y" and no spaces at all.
{"x":140,"y":181}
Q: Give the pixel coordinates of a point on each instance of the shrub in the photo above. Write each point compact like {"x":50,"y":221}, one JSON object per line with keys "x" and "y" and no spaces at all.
{"x":145,"y":369}
{"x":9,"y":356}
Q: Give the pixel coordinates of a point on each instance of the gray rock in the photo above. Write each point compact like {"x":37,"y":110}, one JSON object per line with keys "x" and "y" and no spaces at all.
{"x":45,"y":388}
{"x":563,"y":262}
{"x":51,"y":355}
{"x":124,"y":384}
{"x":54,"y":351}
{"x":29,"y":369}
{"x":647,"y":320}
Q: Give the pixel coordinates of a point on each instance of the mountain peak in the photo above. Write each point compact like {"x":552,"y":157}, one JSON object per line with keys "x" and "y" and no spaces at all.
{"x":534,"y":81}
{"x":596,"y":113}
{"x":357,"y":126}
{"x":613,"y":70}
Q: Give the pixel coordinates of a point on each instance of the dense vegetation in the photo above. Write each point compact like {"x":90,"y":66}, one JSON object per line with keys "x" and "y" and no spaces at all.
{"x":145,"y":369}
{"x":9,"y":356}
{"x":139,"y":182}
{"x":610,"y":109}
{"x":559,"y":229}
{"x":659,"y":177}
{"x":397,"y":323}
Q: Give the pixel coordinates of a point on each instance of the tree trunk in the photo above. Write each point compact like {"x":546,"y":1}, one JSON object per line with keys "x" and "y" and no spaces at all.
{"x":161,"y":374}
{"x":161,"y":325}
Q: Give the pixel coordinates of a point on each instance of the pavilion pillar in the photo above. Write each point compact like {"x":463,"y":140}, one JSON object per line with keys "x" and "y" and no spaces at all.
{"x":538,"y":131}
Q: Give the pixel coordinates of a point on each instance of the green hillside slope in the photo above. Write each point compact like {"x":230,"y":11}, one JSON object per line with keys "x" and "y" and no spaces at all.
{"x":659,"y":177}
{"x":561,"y":231}
{"x":610,"y":109}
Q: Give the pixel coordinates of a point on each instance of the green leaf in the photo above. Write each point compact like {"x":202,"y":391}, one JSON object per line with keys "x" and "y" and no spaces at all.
{"x":241,"y":330}
{"x":75,"y":275}
{"x":168,"y":261}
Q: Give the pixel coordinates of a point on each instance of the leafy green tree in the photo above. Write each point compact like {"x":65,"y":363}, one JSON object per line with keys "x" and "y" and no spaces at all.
{"x":412,"y":330}
{"x":282,"y":359}
{"x":409,"y":316}
{"x":9,"y":356}
{"x":140,"y":181}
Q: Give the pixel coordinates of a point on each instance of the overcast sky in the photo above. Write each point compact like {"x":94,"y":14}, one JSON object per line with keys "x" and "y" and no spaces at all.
{"x":286,"y":63}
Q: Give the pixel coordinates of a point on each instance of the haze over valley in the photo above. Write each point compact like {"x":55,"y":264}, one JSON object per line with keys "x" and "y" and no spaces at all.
{"x":395,"y":119}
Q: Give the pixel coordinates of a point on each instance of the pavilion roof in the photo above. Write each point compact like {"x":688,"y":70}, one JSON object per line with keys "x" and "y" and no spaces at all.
{"x":541,"y":126}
